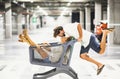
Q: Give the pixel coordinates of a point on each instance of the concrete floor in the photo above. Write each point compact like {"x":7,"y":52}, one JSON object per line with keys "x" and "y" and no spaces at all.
{"x":14,"y":60}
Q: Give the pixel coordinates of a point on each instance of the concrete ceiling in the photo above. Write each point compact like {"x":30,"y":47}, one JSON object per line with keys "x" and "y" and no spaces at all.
{"x":49,"y":7}
{"x":54,"y":7}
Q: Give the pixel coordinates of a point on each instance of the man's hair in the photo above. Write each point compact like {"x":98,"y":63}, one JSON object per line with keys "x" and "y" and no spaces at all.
{"x":57,"y":30}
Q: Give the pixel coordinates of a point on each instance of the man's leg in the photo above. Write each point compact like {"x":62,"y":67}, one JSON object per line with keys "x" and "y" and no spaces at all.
{"x":103,"y":41}
{"x":99,"y":65}
{"x":86,"y":57}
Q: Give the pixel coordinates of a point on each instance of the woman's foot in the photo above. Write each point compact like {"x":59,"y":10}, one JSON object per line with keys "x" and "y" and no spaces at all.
{"x":22,"y":38}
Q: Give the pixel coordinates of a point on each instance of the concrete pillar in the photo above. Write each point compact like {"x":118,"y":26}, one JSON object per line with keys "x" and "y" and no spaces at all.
{"x":104,"y":15}
{"x":27,"y":20}
{"x":98,"y":11}
{"x":19,"y":23}
{"x":82,"y":18}
{"x":88,"y":18}
{"x":114,"y":20}
{"x":41,"y":21}
{"x":14,"y":24}
{"x":2,"y":35}
{"x":33,"y":22}
{"x":30,"y":22}
{"x":8,"y":21}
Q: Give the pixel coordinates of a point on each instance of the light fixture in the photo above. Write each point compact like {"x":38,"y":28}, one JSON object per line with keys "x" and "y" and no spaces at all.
{"x":14,"y":1}
{"x":31,"y":1}
{"x":38,"y":7}
{"x":0,"y":15}
{"x":68,"y":4}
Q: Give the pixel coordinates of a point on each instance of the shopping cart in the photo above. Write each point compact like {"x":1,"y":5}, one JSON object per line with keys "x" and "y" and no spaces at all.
{"x":62,"y":65}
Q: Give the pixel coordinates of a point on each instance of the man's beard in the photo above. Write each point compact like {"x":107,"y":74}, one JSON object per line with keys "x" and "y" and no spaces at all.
{"x":64,"y":34}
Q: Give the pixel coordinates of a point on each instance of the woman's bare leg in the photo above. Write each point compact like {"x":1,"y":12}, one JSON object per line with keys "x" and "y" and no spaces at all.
{"x":25,"y":38}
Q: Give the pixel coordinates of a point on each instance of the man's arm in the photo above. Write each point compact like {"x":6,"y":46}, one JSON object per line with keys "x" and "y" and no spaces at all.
{"x":79,"y":28}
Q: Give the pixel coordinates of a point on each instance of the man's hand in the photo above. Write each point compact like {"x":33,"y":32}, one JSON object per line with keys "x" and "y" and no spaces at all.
{"x":79,"y":39}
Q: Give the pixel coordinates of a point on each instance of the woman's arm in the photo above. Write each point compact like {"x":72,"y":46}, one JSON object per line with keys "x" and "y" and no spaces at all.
{"x":79,"y":28}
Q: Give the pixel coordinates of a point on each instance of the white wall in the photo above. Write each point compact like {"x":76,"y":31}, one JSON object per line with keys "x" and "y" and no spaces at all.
{"x":48,"y":21}
{"x":53,"y":21}
{"x":62,"y":20}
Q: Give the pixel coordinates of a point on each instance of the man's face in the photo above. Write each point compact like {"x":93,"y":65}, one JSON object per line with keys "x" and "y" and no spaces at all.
{"x":62,"y":33}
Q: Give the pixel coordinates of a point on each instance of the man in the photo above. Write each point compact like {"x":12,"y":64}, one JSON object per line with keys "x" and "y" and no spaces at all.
{"x":87,"y":40}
